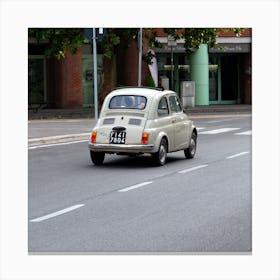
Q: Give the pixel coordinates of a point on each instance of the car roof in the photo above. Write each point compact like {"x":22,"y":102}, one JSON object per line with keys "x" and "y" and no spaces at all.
{"x":149,"y":92}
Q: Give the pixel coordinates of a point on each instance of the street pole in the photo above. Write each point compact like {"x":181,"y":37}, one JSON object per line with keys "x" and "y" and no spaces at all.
{"x":172,"y":70}
{"x":172,"y":43}
{"x":95,"y":75}
{"x":140,"y":57}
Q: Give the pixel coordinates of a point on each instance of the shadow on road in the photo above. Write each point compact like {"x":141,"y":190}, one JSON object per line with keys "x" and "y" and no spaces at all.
{"x":131,"y":162}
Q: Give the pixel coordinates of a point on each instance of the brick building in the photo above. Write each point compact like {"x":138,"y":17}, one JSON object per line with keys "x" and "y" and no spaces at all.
{"x":68,"y":83}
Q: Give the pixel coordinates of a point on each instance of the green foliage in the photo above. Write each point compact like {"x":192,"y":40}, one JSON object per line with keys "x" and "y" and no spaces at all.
{"x":151,"y":35}
{"x":118,"y":37}
{"x":238,"y":31}
{"x":127,"y":35}
{"x":150,"y":81}
{"x":148,"y":57}
{"x":110,"y":40}
{"x":196,"y":36}
{"x":174,"y":33}
{"x":60,"y":40}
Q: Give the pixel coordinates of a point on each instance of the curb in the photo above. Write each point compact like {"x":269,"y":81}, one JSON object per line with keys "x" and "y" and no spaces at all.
{"x":47,"y":140}
{"x":57,"y":139}
{"x":87,"y":113}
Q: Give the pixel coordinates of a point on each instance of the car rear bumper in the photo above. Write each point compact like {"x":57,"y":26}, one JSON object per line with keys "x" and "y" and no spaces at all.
{"x":116,"y":148}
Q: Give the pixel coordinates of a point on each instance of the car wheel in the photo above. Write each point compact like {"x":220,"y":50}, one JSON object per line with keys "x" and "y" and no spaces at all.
{"x":190,"y":151}
{"x":160,"y":156}
{"x":97,"y":157}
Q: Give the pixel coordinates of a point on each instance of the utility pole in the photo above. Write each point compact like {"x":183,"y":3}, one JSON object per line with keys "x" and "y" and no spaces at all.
{"x":172,"y":43}
{"x":140,"y":57}
{"x":95,"y":85}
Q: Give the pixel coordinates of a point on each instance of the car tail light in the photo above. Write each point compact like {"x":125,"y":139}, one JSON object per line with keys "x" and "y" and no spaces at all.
{"x":145,"y":138}
{"x":93,"y":136}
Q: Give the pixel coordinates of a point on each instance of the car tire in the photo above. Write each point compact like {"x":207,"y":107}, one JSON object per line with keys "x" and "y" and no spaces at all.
{"x":160,"y":156}
{"x":97,"y":157}
{"x":190,"y":151}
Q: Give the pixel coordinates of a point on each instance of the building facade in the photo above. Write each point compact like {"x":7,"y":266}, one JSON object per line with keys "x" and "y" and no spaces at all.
{"x":229,"y":67}
{"x":68,"y":83}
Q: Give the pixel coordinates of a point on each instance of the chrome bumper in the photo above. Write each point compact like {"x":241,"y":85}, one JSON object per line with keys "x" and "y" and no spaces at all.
{"x":115,"y":148}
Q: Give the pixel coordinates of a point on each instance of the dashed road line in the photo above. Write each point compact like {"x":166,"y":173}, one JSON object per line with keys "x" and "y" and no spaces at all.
{"x":238,"y":155}
{"x":192,"y":168}
{"x":136,"y":186}
{"x":248,"y":132}
{"x":133,"y":187}
{"x":219,"y":130}
{"x":224,"y":120}
{"x":58,"y":213}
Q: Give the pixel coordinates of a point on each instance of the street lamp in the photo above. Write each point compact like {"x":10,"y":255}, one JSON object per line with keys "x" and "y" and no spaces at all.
{"x":171,"y":42}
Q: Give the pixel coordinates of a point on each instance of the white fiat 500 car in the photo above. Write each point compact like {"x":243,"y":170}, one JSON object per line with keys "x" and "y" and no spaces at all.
{"x":142,"y":120}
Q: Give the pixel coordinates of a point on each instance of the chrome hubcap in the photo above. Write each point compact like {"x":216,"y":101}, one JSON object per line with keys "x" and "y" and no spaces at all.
{"x":192,"y":147}
{"x":162,"y":153}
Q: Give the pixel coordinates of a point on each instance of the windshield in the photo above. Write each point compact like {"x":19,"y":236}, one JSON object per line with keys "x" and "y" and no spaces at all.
{"x":128,"y":102}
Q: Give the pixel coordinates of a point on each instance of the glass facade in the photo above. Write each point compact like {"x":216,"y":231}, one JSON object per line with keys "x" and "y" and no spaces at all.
{"x":176,"y":73}
{"x":87,"y":79}
{"x":224,"y":78}
{"x":213,"y":78}
{"x":36,"y":81}
{"x":224,"y":75}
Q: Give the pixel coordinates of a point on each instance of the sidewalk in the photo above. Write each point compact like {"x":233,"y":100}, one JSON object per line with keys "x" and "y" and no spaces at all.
{"x":34,"y":114}
{"x":52,"y":126}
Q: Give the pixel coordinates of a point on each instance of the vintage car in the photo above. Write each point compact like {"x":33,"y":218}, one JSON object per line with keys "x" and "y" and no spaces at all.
{"x":138,"y":120}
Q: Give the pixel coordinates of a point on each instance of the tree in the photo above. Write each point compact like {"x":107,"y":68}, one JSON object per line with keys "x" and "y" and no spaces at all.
{"x":59,"y":40}
{"x":121,"y":39}
{"x":62,"y":39}
{"x":193,"y":37}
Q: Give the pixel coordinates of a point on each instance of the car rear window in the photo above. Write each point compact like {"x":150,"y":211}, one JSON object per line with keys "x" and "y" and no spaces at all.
{"x":128,"y":102}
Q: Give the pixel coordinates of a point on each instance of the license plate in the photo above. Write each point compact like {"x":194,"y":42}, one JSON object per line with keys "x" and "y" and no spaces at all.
{"x":117,"y":137}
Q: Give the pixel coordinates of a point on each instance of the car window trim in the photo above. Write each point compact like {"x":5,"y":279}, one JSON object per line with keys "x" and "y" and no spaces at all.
{"x":127,"y":108}
{"x":177,"y":100}
{"x":168,"y":107}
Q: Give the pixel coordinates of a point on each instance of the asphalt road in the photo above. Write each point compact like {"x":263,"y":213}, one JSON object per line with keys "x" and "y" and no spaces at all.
{"x":127,"y":205}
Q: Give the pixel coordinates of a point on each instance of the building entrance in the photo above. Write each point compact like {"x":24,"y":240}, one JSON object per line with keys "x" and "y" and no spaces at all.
{"x":174,"y":73}
{"x":229,"y":78}
{"x":224,"y":79}
{"x":224,"y":75}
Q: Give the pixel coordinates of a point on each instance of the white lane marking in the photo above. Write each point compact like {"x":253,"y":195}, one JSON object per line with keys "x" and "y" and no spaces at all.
{"x":224,"y":120}
{"x":200,"y":128}
{"x":59,"y":137}
{"x":56,"y":144}
{"x":238,"y":155}
{"x":136,"y":186}
{"x":220,"y":130}
{"x":248,"y":132}
{"x":192,"y":168}
{"x":52,"y":215}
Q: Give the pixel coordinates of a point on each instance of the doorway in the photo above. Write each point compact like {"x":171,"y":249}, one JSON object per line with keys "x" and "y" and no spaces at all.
{"x":176,"y":73}
{"x":224,"y":78}
{"x":229,"y":77}
{"x":224,"y":75}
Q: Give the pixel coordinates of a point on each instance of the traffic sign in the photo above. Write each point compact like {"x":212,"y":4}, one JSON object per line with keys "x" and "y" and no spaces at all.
{"x":99,"y":33}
